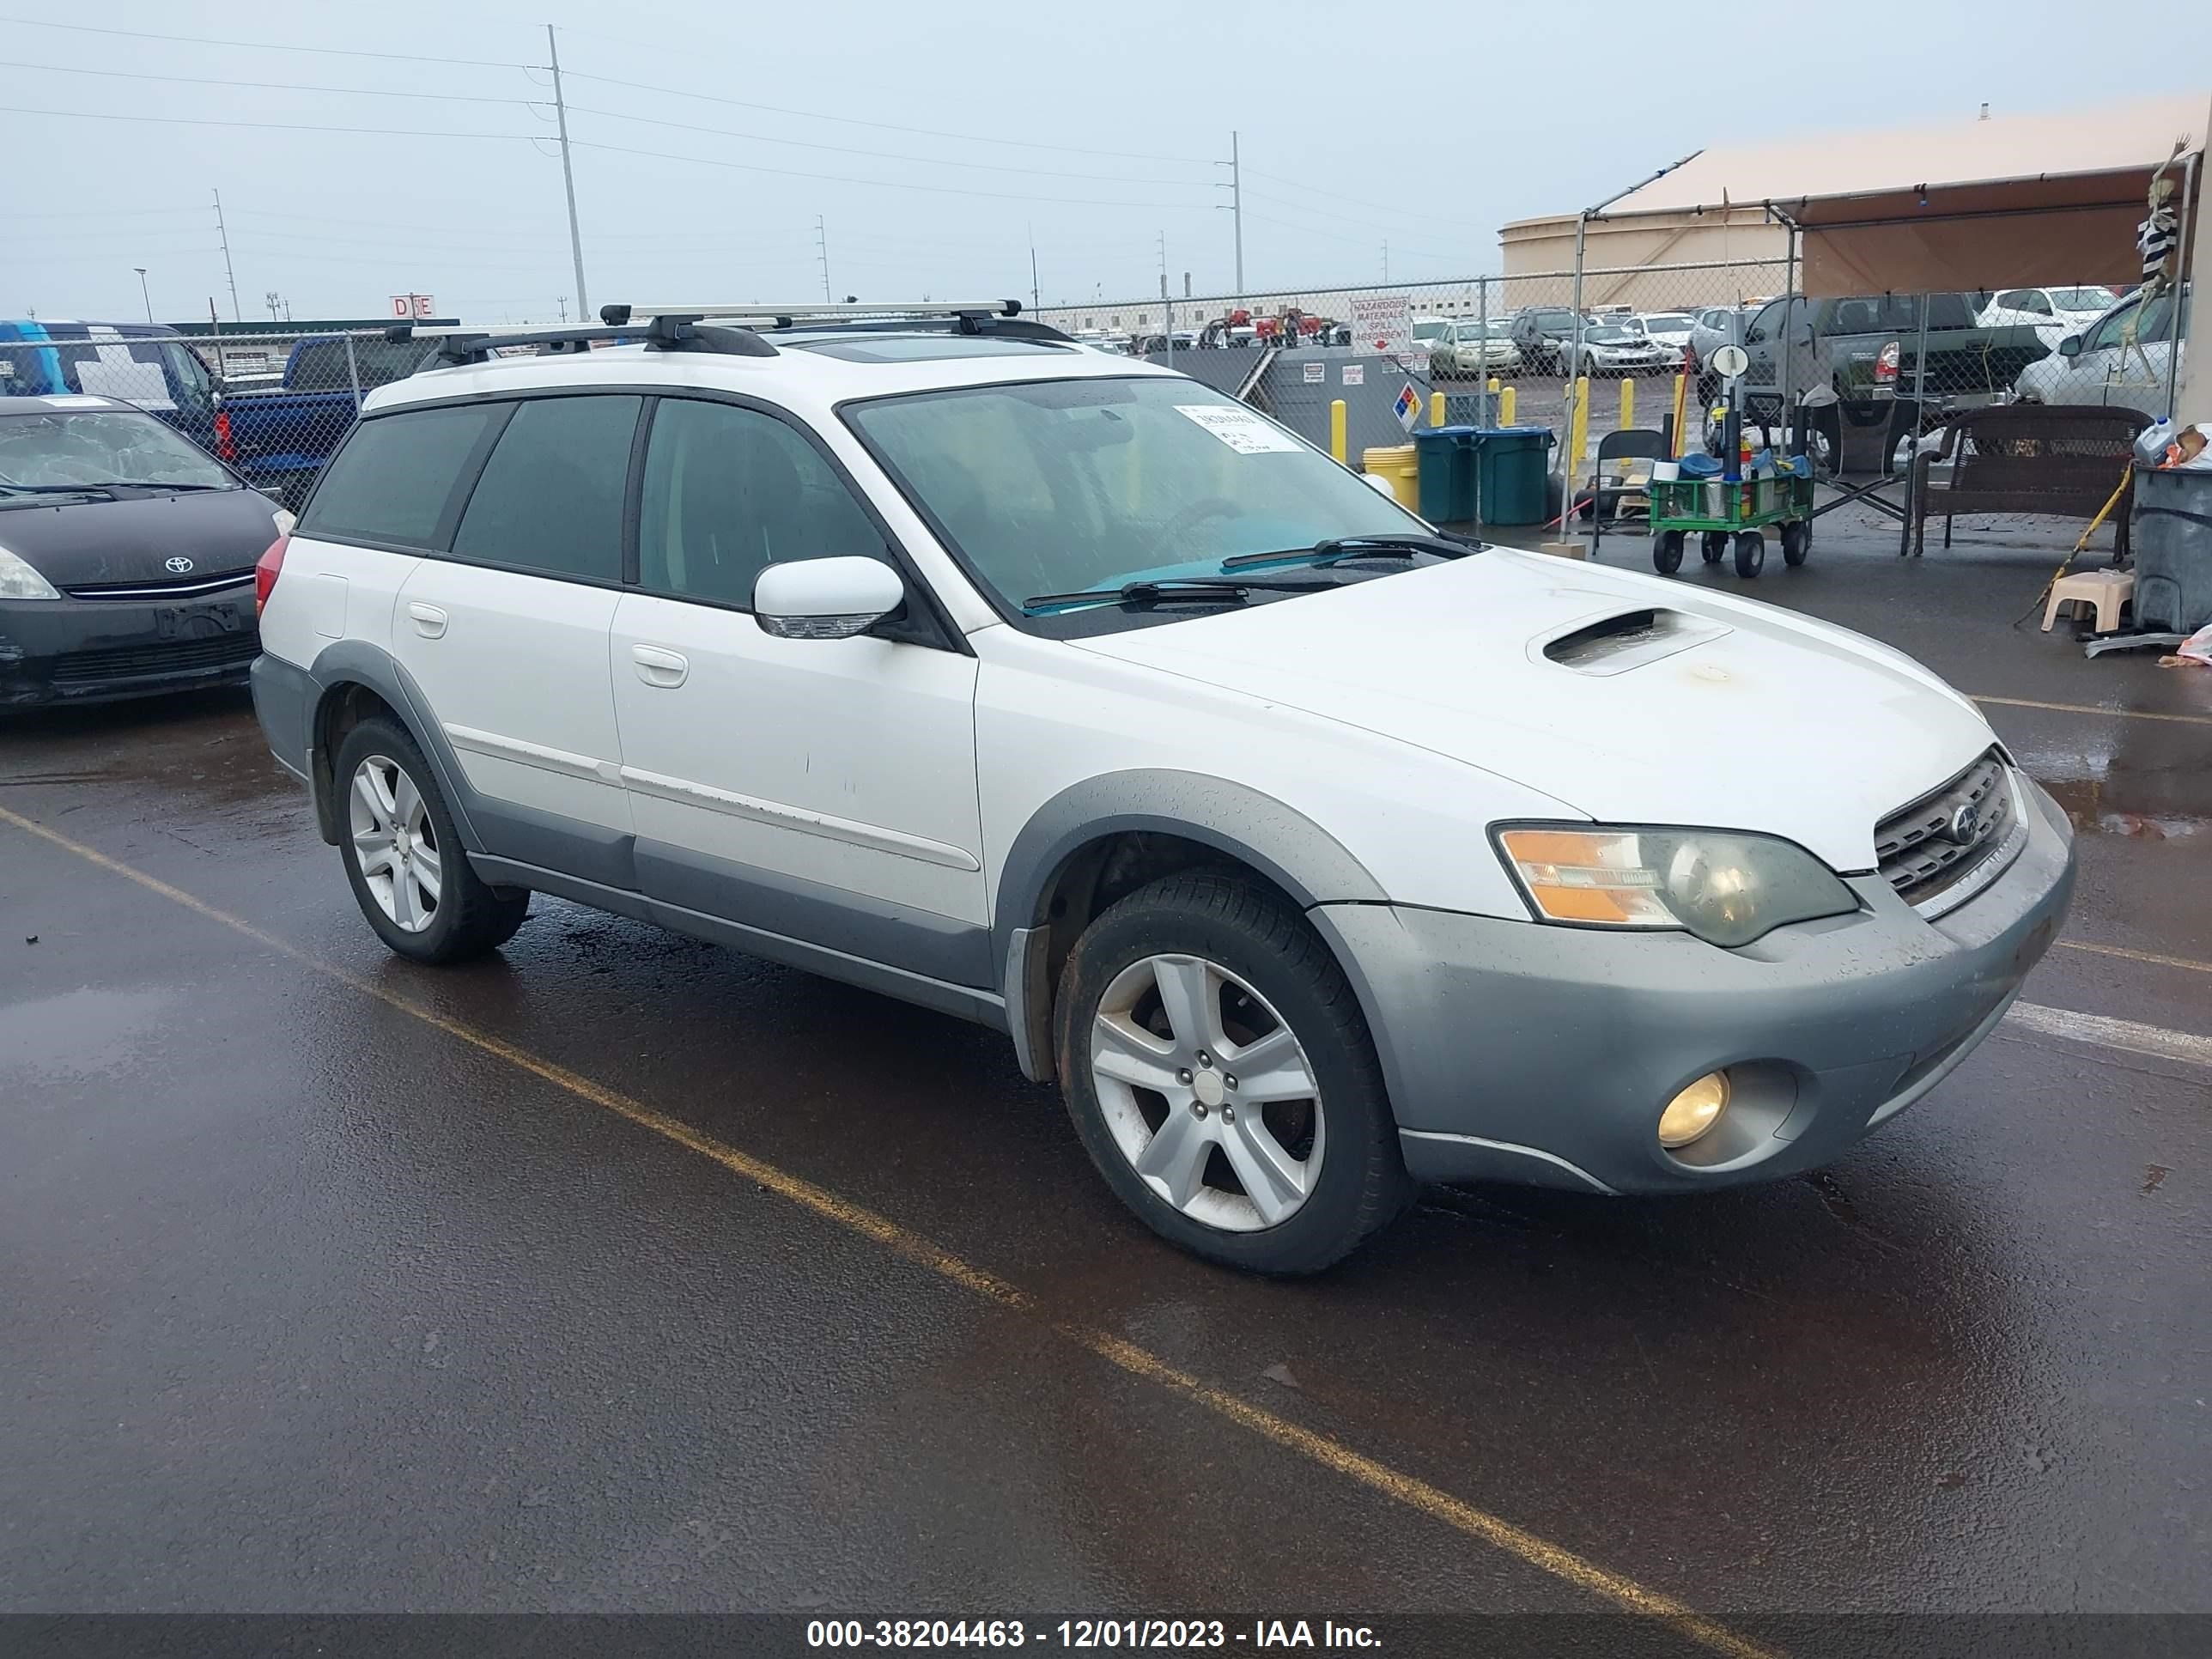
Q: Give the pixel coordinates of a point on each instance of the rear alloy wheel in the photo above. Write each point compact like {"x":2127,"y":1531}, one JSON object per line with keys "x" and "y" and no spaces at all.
{"x":404,"y":857}
{"x":1219,"y":1073}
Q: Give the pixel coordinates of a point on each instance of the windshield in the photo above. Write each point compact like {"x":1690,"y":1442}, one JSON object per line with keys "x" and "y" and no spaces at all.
{"x":55,"y":450}
{"x":1064,"y":486}
{"x":1668,"y":324}
{"x":1611,"y":335}
{"x":2081,"y":299}
{"x":1430,"y":330}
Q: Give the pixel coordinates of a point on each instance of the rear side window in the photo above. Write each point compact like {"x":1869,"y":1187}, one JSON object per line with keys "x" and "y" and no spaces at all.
{"x":551,"y":499}
{"x":396,"y":476}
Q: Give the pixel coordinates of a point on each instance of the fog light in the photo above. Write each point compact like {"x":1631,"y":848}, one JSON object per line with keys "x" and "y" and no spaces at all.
{"x":1694,"y":1111}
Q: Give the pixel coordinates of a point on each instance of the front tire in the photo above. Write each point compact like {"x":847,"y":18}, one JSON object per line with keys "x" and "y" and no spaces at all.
{"x":1750,"y":553}
{"x":1219,"y":1073}
{"x":1666,"y":552}
{"x":404,"y":857}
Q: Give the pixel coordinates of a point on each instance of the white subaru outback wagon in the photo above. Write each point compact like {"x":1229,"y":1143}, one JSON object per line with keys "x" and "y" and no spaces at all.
{"x":1311,"y":853}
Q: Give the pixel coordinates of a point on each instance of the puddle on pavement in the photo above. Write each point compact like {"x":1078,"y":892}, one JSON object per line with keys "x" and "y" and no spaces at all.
{"x":81,"y":1033}
{"x":2095,"y":807}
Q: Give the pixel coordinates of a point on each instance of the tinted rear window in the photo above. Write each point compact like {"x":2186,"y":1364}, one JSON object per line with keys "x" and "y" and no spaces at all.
{"x":396,"y":476}
{"x":322,"y":365}
{"x":551,"y":499}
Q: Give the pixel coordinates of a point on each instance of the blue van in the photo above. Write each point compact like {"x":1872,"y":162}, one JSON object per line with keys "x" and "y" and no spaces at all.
{"x":142,"y":363}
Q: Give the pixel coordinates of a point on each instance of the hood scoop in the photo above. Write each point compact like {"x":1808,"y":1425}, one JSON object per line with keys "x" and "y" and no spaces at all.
{"x":1627,"y":639}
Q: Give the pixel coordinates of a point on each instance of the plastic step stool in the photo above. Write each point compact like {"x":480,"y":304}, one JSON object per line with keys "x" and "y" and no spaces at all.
{"x":2107,"y":591}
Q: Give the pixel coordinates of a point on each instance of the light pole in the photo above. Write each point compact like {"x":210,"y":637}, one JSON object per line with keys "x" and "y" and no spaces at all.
{"x":142,"y":293}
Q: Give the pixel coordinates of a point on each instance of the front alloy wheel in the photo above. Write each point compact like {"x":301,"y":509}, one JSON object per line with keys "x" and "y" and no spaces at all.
{"x":395,"y":843}
{"x":1207,"y":1092}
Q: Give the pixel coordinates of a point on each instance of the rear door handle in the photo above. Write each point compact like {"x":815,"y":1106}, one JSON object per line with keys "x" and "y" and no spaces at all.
{"x":656,"y":665}
{"x":429,"y":621}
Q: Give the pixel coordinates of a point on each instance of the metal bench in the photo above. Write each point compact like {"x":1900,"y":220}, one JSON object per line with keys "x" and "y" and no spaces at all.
{"x":2061,"y":459}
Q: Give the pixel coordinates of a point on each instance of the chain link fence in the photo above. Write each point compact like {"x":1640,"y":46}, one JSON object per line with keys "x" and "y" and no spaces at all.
{"x":1870,"y":378}
{"x":289,"y":400}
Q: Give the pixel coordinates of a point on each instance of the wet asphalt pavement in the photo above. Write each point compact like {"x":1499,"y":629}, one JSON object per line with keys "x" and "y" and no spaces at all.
{"x":333,"y":1283}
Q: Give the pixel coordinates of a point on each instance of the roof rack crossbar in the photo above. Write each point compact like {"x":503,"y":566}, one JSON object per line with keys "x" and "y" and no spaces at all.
{"x":452,"y":347}
{"x":781,"y":316}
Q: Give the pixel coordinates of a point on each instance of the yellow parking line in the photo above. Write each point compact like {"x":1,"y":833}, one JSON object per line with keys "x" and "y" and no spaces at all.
{"x":2126,"y":954}
{"x":2092,"y":708}
{"x":1414,"y":1493}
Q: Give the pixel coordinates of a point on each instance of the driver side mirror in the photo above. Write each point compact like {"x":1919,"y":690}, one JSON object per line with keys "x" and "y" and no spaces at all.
{"x":2071,"y":346}
{"x":825,"y":598}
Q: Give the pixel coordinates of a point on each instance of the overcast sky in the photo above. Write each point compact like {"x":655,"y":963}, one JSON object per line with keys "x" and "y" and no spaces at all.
{"x":937,"y":142}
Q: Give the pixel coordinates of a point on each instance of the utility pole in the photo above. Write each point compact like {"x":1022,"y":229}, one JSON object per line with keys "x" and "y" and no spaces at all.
{"x":563,"y":303}
{"x":1033,"y":301}
{"x":223,"y":235}
{"x":821,"y":253}
{"x":1167,"y":303}
{"x":1237,"y":208}
{"x":142,"y":293}
{"x":568,"y":175}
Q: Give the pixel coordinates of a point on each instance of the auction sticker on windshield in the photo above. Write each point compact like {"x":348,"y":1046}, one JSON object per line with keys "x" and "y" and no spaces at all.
{"x":1240,"y":428}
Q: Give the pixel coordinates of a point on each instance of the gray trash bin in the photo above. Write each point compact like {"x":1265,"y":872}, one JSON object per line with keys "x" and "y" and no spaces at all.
{"x":2173,"y":536}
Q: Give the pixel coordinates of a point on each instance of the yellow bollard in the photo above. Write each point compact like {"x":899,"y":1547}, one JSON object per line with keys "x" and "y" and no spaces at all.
{"x":1336,"y":429}
{"x":1505,"y":401}
{"x":1435,"y":408}
{"x":1578,"y":439}
{"x":1627,"y":404}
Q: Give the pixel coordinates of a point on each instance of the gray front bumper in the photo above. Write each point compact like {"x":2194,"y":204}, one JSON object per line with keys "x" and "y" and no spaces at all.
{"x":1540,"y":1055}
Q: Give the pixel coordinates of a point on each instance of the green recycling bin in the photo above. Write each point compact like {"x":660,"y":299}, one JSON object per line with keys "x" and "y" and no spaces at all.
{"x":1511,"y":464}
{"x":1447,"y":476}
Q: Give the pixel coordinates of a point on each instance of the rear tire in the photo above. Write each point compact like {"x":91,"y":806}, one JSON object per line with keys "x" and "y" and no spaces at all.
{"x":1713,"y":547}
{"x":1750,"y":553}
{"x":404,"y":857}
{"x":1796,"y":543}
{"x":1666,"y":552}
{"x":1162,"y":998}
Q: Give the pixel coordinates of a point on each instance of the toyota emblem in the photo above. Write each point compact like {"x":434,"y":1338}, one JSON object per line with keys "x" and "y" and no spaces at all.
{"x":1965,"y":823}
{"x":177,"y":566}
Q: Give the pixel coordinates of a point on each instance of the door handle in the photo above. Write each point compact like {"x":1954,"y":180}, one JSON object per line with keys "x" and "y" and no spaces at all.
{"x":657,"y":665}
{"x":429,"y":621}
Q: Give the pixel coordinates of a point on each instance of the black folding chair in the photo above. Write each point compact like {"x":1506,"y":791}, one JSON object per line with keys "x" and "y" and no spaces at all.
{"x":1636,"y":442}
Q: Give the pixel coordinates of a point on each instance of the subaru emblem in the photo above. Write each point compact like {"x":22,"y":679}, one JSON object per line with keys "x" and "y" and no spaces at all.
{"x":177,"y":566}
{"x":1965,"y":823}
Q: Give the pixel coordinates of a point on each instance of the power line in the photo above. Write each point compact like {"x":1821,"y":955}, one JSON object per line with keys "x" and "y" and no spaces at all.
{"x":843,"y":178}
{"x":877,"y":155}
{"x":270,"y":127}
{"x":1397,"y":214}
{"x":887,"y":126}
{"x":265,"y":86}
{"x":262,"y":46}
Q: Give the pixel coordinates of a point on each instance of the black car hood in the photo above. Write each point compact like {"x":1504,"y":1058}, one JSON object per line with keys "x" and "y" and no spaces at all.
{"x":79,"y":542}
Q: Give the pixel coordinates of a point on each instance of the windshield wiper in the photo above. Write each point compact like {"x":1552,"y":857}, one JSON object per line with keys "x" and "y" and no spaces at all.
{"x":57,"y":489}
{"x":1335,"y":549}
{"x":1198,"y":590}
{"x":154,"y":483}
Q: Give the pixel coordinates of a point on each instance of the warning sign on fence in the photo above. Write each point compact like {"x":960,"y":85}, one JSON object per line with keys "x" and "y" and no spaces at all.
{"x":1383,"y":323}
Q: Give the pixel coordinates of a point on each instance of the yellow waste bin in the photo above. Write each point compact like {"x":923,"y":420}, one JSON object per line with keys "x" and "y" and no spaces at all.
{"x":1399,"y":464}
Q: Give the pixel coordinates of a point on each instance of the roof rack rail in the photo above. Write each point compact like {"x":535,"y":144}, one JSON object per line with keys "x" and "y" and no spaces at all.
{"x":781,"y":316}
{"x":450,"y":347}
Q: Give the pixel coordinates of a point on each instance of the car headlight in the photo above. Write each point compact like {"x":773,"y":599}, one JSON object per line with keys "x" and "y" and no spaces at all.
{"x":19,"y":581}
{"x":1727,"y":888}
